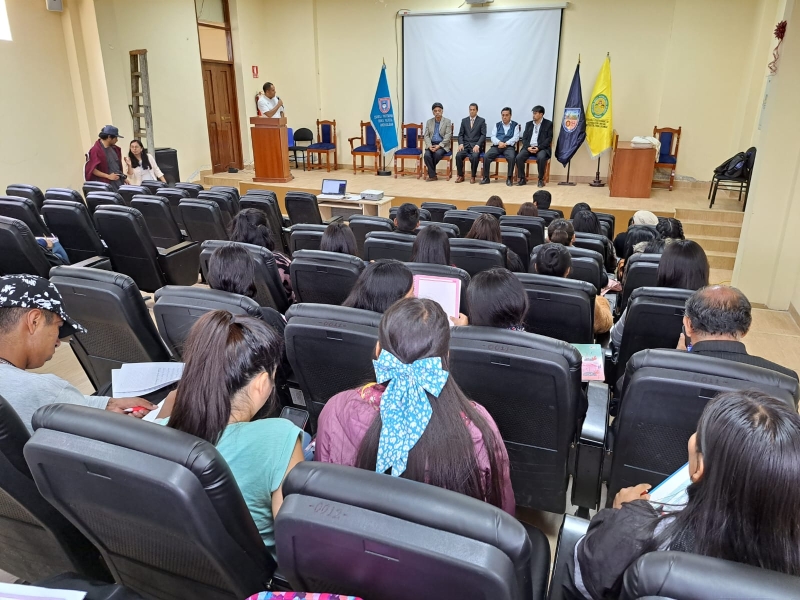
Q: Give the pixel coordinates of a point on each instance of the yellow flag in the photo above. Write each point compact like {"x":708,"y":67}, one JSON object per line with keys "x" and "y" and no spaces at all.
{"x":598,"y":113}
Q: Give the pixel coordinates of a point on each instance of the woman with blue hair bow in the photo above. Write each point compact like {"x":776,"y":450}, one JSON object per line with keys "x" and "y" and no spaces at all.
{"x":416,"y":422}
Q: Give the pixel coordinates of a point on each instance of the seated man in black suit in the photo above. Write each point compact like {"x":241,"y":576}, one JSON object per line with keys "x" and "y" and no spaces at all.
{"x":407,"y":219}
{"x":471,"y":140}
{"x":536,"y":142}
{"x":717,"y":318}
{"x":505,"y":135}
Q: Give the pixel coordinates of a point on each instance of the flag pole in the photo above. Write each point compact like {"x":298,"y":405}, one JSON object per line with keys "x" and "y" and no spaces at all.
{"x":567,"y":182}
{"x":597,"y":182}
{"x":383,"y":172}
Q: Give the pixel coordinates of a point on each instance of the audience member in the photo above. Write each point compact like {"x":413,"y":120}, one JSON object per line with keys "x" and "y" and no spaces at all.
{"x":32,"y":321}
{"x":380,"y":285}
{"x":105,"y":159}
{"x":496,"y":201}
{"x":229,"y":375}
{"x":717,"y":318}
{"x":446,"y":440}
{"x":554,"y":259}
{"x":528,"y":209}
{"x":578,"y":208}
{"x":585,"y":221}
{"x":635,"y":241}
{"x":250,"y":226}
{"x":655,"y":246}
{"x":744,"y":464}
{"x":140,"y":166}
{"x":561,"y":231}
{"x":338,"y":237}
{"x":619,"y":241}
{"x":431,"y":246}
{"x":542,"y":199}
{"x":683,"y":265}
{"x":645,"y":217}
{"x":496,"y":298}
{"x":407,"y":219}
{"x":670,"y":229}
{"x":487,"y":228}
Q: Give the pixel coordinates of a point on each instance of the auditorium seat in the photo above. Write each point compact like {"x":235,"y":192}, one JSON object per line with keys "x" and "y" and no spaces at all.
{"x":225,"y":202}
{"x":550,"y":215}
{"x":517,"y":240}
{"x":36,"y":541}
{"x":231,"y":193}
{"x":495,"y":211}
{"x":191,"y":188}
{"x":63,"y":194}
{"x":268,"y":204}
{"x":129,"y":191}
{"x":174,"y":197}
{"x":593,"y":241}
{"x":475,"y":256}
{"x":641,"y":270}
{"x":364,"y":224}
{"x":31,"y":192}
{"x":162,"y":506}
{"x":663,"y":394}
{"x":226,"y":188}
{"x":25,"y":210}
{"x":331,"y":349}
{"x":96,"y":186}
{"x":571,"y":531}
{"x":302,"y":208}
{"x":202,"y":219}
{"x":587,"y":265}
{"x":559,"y":308}
{"x":445,"y":271}
{"x":383,"y":244}
{"x":610,"y":221}
{"x":463,"y":219}
{"x":451,"y":230}
{"x":71,"y":224}
{"x":21,"y":254}
{"x":133,"y":252}
{"x":269,"y":288}
{"x":531,"y":386}
{"x":324,"y":277}
{"x":119,"y":327}
{"x":424,"y":214}
{"x":96,"y":198}
{"x":685,"y":575}
{"x":534,"y":225}
{"x":158,"y":215}
{"x":305,"y":237}
{"x":437,"y":209}
{"x":439,"y":541}
{"x":153,"y":186}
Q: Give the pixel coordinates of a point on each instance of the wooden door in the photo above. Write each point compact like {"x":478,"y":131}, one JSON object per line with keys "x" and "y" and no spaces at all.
{"x":222,"y":116}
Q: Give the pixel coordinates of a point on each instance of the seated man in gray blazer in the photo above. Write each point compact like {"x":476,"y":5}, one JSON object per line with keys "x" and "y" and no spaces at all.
{"x":438,"y":135}
{"x":471,"y":140}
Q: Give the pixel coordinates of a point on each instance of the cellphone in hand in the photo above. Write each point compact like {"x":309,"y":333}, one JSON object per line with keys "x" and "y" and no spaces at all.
{"x":298,"y":416}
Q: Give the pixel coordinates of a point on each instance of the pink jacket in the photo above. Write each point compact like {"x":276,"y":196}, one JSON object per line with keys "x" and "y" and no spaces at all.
{"x":347,"y":416}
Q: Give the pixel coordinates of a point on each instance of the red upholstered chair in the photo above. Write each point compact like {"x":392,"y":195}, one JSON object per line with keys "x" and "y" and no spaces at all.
{"x":411,"y":150}
{"x":326,"y":144}
{"x":668,"y":156}
{"x":370,"y":145}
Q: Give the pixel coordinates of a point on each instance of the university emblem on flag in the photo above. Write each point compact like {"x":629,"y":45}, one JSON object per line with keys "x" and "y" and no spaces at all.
{"x":599,"y":106}
{"x":384,"y":104}
{"x":571,"y":118}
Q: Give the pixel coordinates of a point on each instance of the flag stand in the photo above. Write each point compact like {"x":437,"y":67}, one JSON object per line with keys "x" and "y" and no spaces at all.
{"x":597,"y":182}
{"x":567,"y":182}
{"x":383,"y":172}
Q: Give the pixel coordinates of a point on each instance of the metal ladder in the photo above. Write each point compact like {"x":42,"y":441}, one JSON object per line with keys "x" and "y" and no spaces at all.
{"x":141,"y":111}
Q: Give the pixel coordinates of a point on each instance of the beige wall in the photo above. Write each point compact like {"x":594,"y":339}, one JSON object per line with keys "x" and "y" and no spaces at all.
{"x":40,"y":137}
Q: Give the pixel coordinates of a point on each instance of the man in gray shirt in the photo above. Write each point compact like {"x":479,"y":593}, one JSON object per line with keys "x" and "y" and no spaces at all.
{"x":32,"y":321}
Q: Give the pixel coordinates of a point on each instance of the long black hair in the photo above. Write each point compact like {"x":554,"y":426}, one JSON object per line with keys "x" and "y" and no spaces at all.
{"x":250,"y":226}
{"x":637,"y":234}
{"x":232,"y":269}
{"x":338,"y":237}
{"x":223,"y":353}
{"x":431,"y":246}
{"x":496,"y":298}
{"x":683,"y":265}
{"x":145,"y":157}
{"x":585,"y":221}
{"x":380,"y":285}
{"x":444,"y":456}
{"x":745,"y":506}
{"x":578,"y":208}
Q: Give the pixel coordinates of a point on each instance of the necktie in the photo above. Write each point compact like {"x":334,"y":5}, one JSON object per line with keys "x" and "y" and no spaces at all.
{"x":471,"y":123}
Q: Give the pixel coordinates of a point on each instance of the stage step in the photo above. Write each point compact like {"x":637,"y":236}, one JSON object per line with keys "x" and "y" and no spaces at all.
{"x":710,"y":216}
{"x":721,"y":260}
{"x":711,"y":243}
{"x":711,"y":228}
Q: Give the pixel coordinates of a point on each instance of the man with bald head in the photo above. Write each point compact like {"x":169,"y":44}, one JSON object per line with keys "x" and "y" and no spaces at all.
{"x":716,"y":319}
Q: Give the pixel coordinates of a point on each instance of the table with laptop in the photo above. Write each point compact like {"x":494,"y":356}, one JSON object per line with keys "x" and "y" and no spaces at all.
{"x":334,"y":195}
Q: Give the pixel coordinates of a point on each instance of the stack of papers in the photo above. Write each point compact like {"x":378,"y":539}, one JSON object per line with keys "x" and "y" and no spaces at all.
{"x":12,"y":591}
{"x":671,"y":493}
{"x":593,"y":362}
{"x":445,"y":291}
{"x":140,"y":379}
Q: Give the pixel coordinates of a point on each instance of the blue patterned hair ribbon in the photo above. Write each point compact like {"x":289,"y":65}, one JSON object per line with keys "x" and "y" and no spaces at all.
{"x":405,"y":409}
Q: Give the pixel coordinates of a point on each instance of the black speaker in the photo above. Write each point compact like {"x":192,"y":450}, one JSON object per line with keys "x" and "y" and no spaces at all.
{"x":167,"y":159}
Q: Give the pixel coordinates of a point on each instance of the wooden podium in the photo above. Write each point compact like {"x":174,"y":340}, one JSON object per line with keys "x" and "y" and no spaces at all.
{"x":270,"y":150}
{"x":630,"y":170}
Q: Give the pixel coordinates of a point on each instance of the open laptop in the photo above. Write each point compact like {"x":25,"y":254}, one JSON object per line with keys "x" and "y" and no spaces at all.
{"x":333,"y":189}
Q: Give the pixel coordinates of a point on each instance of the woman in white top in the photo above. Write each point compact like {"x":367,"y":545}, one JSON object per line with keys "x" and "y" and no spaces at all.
{"x":141,"y":166}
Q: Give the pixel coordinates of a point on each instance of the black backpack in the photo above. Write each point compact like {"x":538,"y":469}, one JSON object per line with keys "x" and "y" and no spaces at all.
{"x":733,"y":167}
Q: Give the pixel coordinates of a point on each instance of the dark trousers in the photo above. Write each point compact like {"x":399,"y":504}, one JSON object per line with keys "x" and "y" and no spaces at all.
{"x":431,"y":158}
{"x":541,"y":162}
{"x":493,"y":153}
{"x":474,"y":159}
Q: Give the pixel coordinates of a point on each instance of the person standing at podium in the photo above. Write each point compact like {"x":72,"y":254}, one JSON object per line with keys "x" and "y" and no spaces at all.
{"x":269,"y":104}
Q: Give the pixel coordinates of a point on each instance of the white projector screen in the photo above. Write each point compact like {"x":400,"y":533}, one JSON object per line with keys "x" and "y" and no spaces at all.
{"x":492,"y":58}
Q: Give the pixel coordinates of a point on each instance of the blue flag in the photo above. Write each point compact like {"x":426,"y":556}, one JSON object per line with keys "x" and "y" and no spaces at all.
{"x":382,"y":115}
{"x":573,"y":125}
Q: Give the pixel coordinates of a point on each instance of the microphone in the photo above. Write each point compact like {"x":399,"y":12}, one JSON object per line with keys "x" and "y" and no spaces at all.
{"x":278,"y":97}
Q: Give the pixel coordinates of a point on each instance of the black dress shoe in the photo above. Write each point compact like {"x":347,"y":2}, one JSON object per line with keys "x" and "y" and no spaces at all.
{"x":484,"y":181}
{"x":509,"y":183}
{"x":522,"y":181}
{"x":541,"y":183}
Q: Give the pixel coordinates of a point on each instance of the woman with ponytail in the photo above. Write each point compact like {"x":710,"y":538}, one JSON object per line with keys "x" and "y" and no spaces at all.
{"x":454,"y":443}
{"x":229,"y":377}
{"x":250,"y":226}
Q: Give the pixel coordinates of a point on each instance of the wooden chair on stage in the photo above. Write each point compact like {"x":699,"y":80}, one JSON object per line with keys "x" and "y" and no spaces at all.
{"x":499,"y":159}
{"x":448,"y":156}
{"x":532,"y":160}
{"x":370,"y":146}
{"x":668,"y":157}
{"x":326,"y":144}
{"x":411,"y":150}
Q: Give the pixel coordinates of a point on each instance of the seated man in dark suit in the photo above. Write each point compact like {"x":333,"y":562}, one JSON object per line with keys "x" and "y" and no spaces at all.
{"x":471,"y":140}
{"x":717,"y":318}
{"x":407,"y":219}
{"x":505,"y":135}
{"x":536,"y":142}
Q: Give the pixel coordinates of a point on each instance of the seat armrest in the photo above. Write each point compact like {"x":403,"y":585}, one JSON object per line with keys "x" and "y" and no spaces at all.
{"x":180,"y":263}
{"x":351,"y":141}
{"x":586,"y":478}
{"x":572,"y":530}
{"x":286,"y":221}
{"x":175,"y":248}
{"x":96,"y":262}
{"x":332,"y":220}
{"x":613,"y":298}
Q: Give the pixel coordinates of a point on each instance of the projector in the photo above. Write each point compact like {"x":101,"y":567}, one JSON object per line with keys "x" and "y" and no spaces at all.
{"x":372,"y":195}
